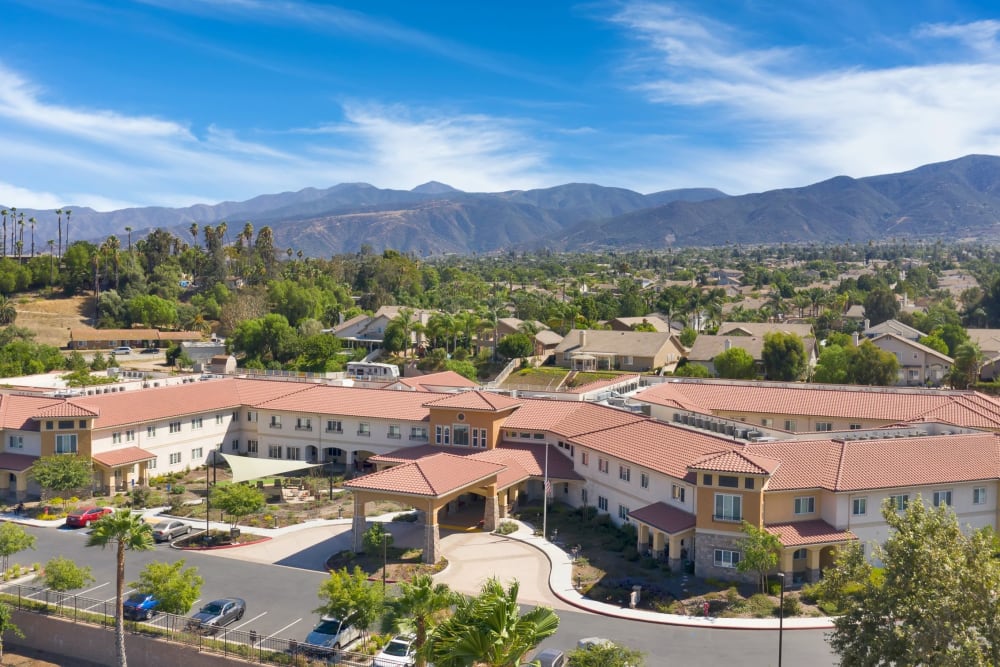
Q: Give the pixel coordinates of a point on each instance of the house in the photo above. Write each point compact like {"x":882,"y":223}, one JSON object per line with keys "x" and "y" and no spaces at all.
{"x":918,"y":364}
{"x":369,"y":330}
{"x":103,"y":339}
{"x":748,"y":336}
{"x":591,"y":349}
{"x":629,"y":323}
{"x":894,"y":327}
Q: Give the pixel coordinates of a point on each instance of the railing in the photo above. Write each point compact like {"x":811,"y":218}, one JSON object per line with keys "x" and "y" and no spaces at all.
{"x":727,"y":517}
{"x":246,"y":644}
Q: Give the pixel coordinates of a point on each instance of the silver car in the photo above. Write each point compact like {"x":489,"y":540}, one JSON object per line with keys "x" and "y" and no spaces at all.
{"x":331,"y":634}
{"x":217,"y":614}
{"x":170,"y":530}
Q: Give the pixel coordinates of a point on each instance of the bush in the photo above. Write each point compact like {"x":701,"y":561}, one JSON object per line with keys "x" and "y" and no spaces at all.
{"x":760,"y":606}
{"x":177,"y":489}
{"x":791,"y":606}
{"x":811,"y":593}
{"x":506,"y":528}
{"x":409,"y":517}
{"x":774,"y":588}
{"x":630,"y":554}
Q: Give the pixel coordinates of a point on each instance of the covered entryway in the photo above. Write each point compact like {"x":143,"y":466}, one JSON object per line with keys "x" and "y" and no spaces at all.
{"x":120,"y":469}
{"x":665,"y":532}
{"x":14,"y":474}
{"x":808,"y":547}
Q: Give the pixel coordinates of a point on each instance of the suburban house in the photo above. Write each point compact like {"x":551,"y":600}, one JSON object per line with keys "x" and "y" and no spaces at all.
{"x":629,"y":323}
{"x":918,"y":364}
{"x":368,"y":331}
{"x":748,"y":336}
{"x":104,"y":339}
{"x":894,"y":327}
{"x":595,"y":349}
{"x":988,"y":341}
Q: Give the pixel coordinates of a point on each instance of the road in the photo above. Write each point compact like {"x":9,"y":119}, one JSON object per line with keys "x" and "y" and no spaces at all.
{"x":280,"y":600}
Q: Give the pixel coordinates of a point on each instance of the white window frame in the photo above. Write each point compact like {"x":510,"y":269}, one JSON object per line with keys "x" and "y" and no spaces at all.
{"x":197,"y":422}
{"x":66,"y":443}
{"x":602,"y":503}
{"x":130,"y":435}
{"x":197,"y":453}
{"x":644,"y":480}
{"x":678,"y":492}
{"x":603,"y":466}
{"x":979,"y":495}
{"x":274,"y":451}
{"x":727,"y":558}
{"x":623,"y":511}
{"x":253,"y":446}
{"x":293,"y":453}
{"x":942,"y":498}
{"x":805,"y":505}
{"x":900,"y":501}
{"x":859,"y":506}
{"x":175,"y":458}
{"x":735,"y":509}
{"x":174,"y":427}
{"x":275,"y":421}
{"x":625,"y":474}
{"x":116,"y":438}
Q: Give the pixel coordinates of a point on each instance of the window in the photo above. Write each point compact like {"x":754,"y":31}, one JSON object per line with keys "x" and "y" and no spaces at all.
{"x":196,"y":453}
{"x":859,"y":506}
{"x":728,"y":507}
{"x":66,"y":423}
{"x":175,"y":458}
{"x":274,"y":451}
{"x":83,"y":423}
{"x":479,"y":437}
{"x":16,"y":442}
{"x":251,"y":416}
{"x":418,"y":433}
{"x":766,"y":422}
{"x":729,"y":481}
{"x":151,"y":464}
{"x":800,"y":554}
{"x":644,"y":480}
{"x":585,"y":458}
{"x":855,"y":427}
{"x":677,"y":493}
{"x":48,"y":425}
{"x":394,"y":432}
{"x":942,"y":498}
{"x":461,"y":435}
{"x":218,"y":419}
{"x":979,"y":495}
{"x":706,"y":480}
{"x":538,"y":436}
{"x":602,"y":503}
{"x":900,"y":502}
{"x":824,"y":426}
{"x":583,"y":496}
{"x":790,"y":425}
{"x":150,"y":431}
{"x":623,"y":512}
{"x":275,"y":421}
{"x":726,"y":558}
{"x":748,"y":483}
{"x":365,"y":429}
{"x":236,"y":445}
{"x":197,"y":422}
{"x":251,"y":446}
{"x":805,"y":505}
{"x":116,"y":438}
{"x":293,"y":453}
{"x":602,"y":465}
{"x":625,"y":473}
{"x":175,"y":427}
{"x":304,"y":424}
{"x":334,"y":426}
{"x":129,"y":435}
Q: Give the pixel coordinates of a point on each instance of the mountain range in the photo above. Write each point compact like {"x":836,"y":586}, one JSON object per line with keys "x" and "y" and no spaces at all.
{"x":954,"y":200}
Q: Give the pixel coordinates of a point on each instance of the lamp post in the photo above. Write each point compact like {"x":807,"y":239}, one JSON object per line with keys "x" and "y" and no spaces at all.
{"x":781,"y":615}
{"x":385,"y":560}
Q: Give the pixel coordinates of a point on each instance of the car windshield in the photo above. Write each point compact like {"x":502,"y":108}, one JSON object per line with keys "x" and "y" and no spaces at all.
{"x":212,"y":608}
{"x":137,"y":597}
{"x":327,"y":627}
{"x":397,"y":648}
{"x":79,"y":512}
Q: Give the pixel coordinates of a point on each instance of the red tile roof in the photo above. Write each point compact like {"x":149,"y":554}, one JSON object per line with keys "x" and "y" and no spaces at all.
{"x":802,"y":533}
{"x":737,"y":462}
{"x":597,"y":384}
{"x":568,"y":418}
{"x":433,"y":476}
{"x":476,"y":400}
{"x":352,"y":402}
{"x":17,"y":412}
{"x":442,"y":379}
{"x":65,"y":409}
{"x":16,"y":462}
{"x":121,"y":457}
{"x":664,"y":517}
{"x":148,"y":405}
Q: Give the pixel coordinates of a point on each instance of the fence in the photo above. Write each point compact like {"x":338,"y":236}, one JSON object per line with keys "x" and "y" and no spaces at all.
{"x":244,"y":644}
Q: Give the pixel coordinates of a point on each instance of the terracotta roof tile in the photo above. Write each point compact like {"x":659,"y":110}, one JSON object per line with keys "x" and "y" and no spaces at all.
{"x":65,"y":409}
{"x":352,"y":402}
{"x":17,"y":412}
{"x":476,"y":400}
{"x":147,"y":405}
{"x":737,"y":462}
{"x":568,"y":418}
{"x":442,"y":379}
{"x":665,"y":517}
{"x":121,"y":457}
{"x":432,"y":476}
{"x":16,"y":462}
{"x":802,"y":533}
{"x":597,"y":384}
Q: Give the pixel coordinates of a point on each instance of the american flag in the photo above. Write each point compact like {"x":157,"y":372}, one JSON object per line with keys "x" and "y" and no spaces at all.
{"x":548,"y":489}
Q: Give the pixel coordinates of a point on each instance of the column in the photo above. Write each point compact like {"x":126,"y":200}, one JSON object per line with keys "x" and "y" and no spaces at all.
{"x":504,"y":499}
{"x":642,"y":539}
{"x":812,"y":559}
{"x":492,"y":511}
{"x":359,"y":524}
{"x":4,"y":482}
{"x":22,"y":485}
{"x":674,"y":560}
{"x":432,"y":538}
{"x":786,"y":564}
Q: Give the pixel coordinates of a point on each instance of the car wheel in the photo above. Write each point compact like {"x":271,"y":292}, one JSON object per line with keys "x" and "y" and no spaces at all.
{"x":239,"y":615}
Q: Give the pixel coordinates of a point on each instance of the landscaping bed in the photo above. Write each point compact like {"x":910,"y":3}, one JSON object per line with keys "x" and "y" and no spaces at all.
{"x":401,"y":564}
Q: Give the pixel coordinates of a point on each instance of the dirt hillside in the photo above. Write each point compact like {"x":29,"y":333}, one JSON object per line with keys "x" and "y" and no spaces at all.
{"x":51,"y":319}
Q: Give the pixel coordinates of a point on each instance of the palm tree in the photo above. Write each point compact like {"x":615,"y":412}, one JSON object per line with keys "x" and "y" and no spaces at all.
{"x":421,"y":604}
{"x":59,"y":213}
{"x":489,"y":630}
{"x":32,"y":221}
{"x":68,"y":214}
{"x":126,"y":531}
{"x":8,"y":313}
{"x":20,"y":240}
{"x":194,"y":231}
{"x":406,"y":321}
{"x":52,"y":277}
{"x":4,"y":214}
{"x":129,"y":231}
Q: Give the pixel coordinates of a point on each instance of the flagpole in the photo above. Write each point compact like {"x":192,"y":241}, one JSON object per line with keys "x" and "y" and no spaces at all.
{"x":545,"y":496}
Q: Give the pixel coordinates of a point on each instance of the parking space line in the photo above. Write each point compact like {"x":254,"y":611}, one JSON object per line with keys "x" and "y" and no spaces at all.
{"x":44,"y":590}
{"x":278,"y":632}
{"x":247,"y":622}
{"x":90,"y":590}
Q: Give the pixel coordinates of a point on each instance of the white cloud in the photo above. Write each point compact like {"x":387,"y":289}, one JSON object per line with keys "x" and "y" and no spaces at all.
{"x":980,"y":36}
{"x":12,"y":195}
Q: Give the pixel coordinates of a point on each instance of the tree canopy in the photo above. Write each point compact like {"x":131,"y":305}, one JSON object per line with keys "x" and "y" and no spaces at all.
{"x":62,"y":472}
{"x":175,"y":586}
{"x":238,"y":501}
{"x":784,"y":356}
{"x":735,"y":363}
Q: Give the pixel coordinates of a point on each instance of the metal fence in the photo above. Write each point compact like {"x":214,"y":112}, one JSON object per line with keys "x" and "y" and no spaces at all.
{"x":245,"y":644}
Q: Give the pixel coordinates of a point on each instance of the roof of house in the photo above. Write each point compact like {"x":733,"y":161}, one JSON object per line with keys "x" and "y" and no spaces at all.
{"x":656,"y":322}
{"x":18,"y":411}
{"x":893,"y":327}
{"x":664,"y":517}
{"x":707,"y":348}
{"x":432,"y":476}
{"x":760,"y":329}
{"x":16,"y":462}
{"x":475,"y":400}
{"x":441,"y":379}
{"x":914,"y":344}
{"x":548,"y":337}
{"x":737,"y":462}
{"x":121,"y":457}
{"x":351,"y":402}
{"x":988,"y":340}
{"x":802,"y":533}
{"x":131,"y":334}
{"x":629,"y":343}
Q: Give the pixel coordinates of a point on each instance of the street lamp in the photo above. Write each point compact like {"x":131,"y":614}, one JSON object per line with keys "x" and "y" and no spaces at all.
{"x":385,"y":561}
{"x":781,"y":614}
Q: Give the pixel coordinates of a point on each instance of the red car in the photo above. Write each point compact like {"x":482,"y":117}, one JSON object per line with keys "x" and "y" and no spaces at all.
{"x":83,"y":517}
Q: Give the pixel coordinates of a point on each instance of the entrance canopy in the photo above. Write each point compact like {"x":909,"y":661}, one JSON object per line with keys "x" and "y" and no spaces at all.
{"x":246,"y":468}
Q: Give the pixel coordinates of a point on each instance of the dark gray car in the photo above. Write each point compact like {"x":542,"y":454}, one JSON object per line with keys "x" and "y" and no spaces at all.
{"x":218,"y":613}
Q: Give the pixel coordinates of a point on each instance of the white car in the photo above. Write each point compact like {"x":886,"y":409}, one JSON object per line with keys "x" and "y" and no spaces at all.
{"x":397,"y":653}
{"x":124,"y":349}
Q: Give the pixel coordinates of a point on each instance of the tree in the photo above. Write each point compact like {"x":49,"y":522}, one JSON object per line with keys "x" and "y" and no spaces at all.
{"x":62,"y":574}
{"x":176,"y":587}
{"x":420,"y":605}
{"x":516,"y":346}
{"x":881,"y":305}
{"x":688,"y":336}
{"x":126,"y":532}
{"x":968,"y":361}
{"x":489,"y":630}
{"x":7,"y":625}
{"x":62,"y":472}
{"x":784,"y":356}
{"x":870,"y":365}
{"x":934,"y":342}
{"x":8,"y":312}
{"x":238,"y":501}
{"x":376,"y":538}
{"x":349,"y":595}
{"x":935,"y":601}
{"x":736,"y":364}
{"x":760,"y":553}
{"x":13,"y":539}
{"x":605,"y":654}
{"x":832,"y":367}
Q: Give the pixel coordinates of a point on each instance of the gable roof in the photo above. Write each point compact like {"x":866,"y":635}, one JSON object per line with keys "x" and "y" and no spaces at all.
{"x":801,"y":533}
{"x":664,"y":517}
{"x":914,"y":344}
{"x":631,"y":343}
{"x":432,"y":476}
{"x":760,"y":329}
{"x":440,"y":379}
{"x":893,"y":327}
{"x":475,"y":400}
{"x":737,"y":462}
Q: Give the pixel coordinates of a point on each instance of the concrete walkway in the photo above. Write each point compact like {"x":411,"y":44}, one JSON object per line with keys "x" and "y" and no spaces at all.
{"x":472,"y":556}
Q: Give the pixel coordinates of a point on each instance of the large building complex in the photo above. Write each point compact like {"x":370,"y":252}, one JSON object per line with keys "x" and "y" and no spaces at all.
{"x":812,"y":464}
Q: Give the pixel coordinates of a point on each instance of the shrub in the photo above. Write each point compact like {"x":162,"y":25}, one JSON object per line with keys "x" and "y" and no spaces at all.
{"x":630,"y":553}
{"x":760,"y":606}
{"x":409,"y":517}
{"x":177,"y":489}
{"x":811,"y":593}
{"x":733,"y":596}
{"x":791,"y":606}
{"x":506,"y":528}
{"x":774,"y":588}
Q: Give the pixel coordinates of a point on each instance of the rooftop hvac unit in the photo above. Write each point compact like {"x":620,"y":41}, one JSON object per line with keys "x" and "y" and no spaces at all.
{"x":677,"y":417}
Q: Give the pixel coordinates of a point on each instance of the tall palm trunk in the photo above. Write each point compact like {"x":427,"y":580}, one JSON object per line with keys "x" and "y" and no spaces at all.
{"x":119,"y":610}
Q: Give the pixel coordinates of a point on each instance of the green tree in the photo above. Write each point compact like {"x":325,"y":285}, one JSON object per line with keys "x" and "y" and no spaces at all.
{"x":934,"y":342}
{"x":151,"y":310}
{"x":238,"y":501}
{"x":490,"y":630}
{"x":968,"y":361}
{"x":870,"y":365}
{"x":784,"y":356}
{"x":7,"y":625}
{"x":61,"y":472}
{"x":881,"y":305}
{"x":350,"y":595}
{"x":8,"y":313}
{"x":760,"y":553}
{"x":125,"y":532}
{"x":833,"y":365}
{"x":376,"y":538}
{"x":176,"y":587}
{"x":417,"y":609}
{"x":735,"y":364}
{"x":62,"y":574}
{"x":605,"y":655}
{"x":688,"y":336}
{"x":515,"y":346}
{"x":934,"y":602}
{"x":13,"y":539}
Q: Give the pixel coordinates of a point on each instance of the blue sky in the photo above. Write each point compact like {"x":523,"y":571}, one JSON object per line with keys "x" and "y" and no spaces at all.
{"x":174,"y":102}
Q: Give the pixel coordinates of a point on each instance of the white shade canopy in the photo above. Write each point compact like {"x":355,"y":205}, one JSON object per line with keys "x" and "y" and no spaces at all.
{"x":246,"y":468}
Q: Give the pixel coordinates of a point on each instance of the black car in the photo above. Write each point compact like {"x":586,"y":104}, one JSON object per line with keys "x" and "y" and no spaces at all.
{"x":218,"y":613}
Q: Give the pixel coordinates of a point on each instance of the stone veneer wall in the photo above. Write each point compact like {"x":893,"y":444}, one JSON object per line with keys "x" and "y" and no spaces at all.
{"x":704,"y":560}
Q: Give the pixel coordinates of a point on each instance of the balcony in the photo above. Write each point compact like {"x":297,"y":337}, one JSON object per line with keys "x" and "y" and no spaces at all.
{"x":303,"y":428}
{"x":275,"y":424}
{"x":418,"y":436}
{"x":732,"y":518}
{"x":365,"y":434}
{"x":394,"y":436}
{"x":334,"y":430}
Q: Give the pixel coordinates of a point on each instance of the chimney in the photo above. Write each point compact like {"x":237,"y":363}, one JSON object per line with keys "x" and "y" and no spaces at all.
{"x":583,"y":337}
{"x":868,"y":324}
{"x":857,"y":338}
{"x":728,"y":344}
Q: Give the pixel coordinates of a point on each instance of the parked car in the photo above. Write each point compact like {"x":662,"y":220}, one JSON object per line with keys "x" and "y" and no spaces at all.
{"x":140,"y":606}
{"x":84,"y":516}
{"x":331,"y":634}
{"x":217,"y":614}
{"x":397,"y":653}
{"x":124,"y":349}
{"x":169,"y":530}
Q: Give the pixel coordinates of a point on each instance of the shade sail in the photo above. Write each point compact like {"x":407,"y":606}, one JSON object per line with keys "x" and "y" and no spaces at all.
{"x":246,"y":468}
